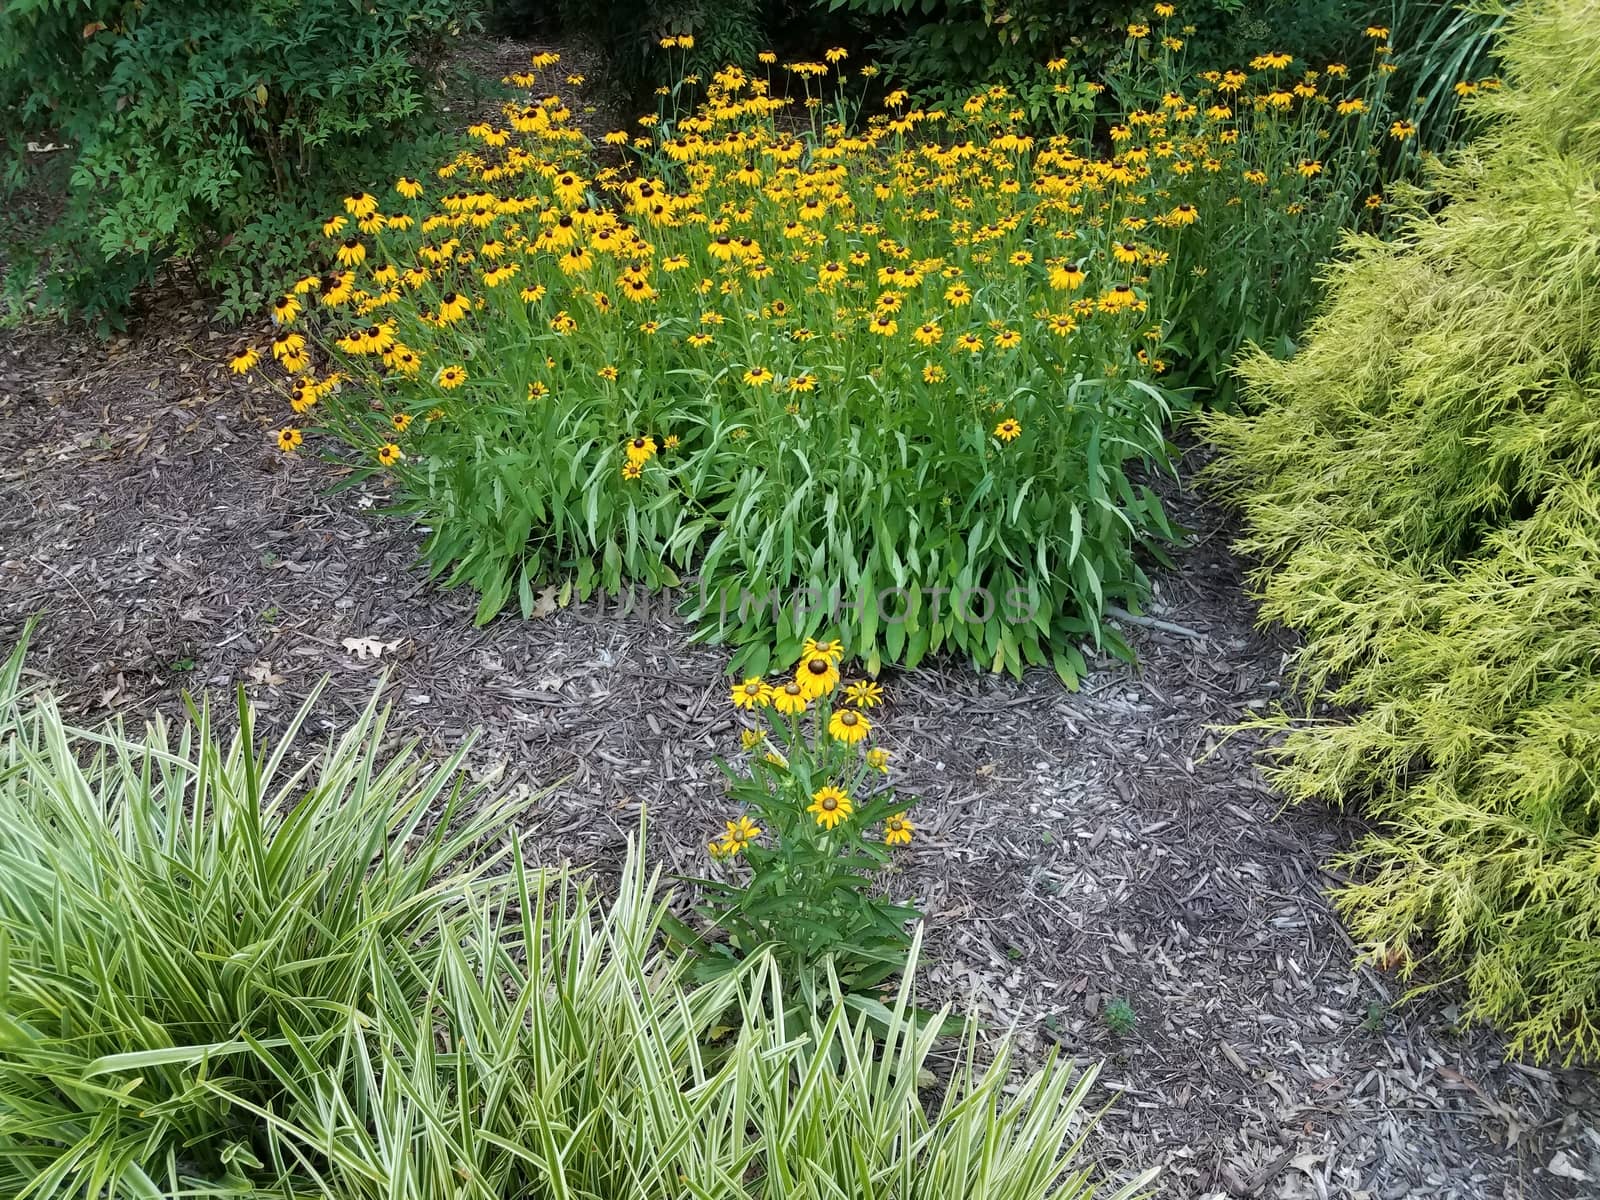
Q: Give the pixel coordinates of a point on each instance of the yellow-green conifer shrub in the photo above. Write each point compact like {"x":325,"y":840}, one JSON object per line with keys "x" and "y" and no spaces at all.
{"x":1421,"y":485}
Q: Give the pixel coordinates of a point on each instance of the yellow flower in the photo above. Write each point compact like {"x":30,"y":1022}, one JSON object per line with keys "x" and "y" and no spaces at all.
{"x":452,"y":307}
{"x":848,"y":726}
{"x":450,"y":378}
{"x":1008,"y":430}
{"x":408,"y":187}
{"x":389,"y":454}
{"x":1271,"y":62}
{"x":789,"y":698}
{"x":289,"y":439}
{"x":928,"y":333}
{"x":758,"y":376}
{"x":608,"y":373}
{"x":1377,"y":31}
{"x":864,"y":694}
{"x":830,"y":805}
{"x":352,"y":252}
{"x":897,"y":830}
{"x":752,"y":693}
{"x":641,"y":449}
{"x":632,"y":471}
{"x":817,"y":675}
{"x":970,"y":342}
{"x":740,"y":834}
{"x":244,"y":360}
{"x":1401,"y":130}
{"x":401,"y":422}
{"x":878,"y":759}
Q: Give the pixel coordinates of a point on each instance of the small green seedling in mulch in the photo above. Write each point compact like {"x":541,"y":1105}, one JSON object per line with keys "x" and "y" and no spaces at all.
{"x":270,"y":615}
{"x":1120,"y":1017}
{"x":1014,"y":953}
{"x":181,"y":664}
{"x":1377,"y":1011}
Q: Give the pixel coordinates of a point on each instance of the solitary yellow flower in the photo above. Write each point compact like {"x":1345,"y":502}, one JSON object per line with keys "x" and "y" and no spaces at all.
{"x":830,"y":805}
{"x":897,"y":830}
{"x":878,"y":759}
{"x":758,"y":376}
{"x":450,"y":378}
{"x":1401,"y":130}
{"x":864,"y":694}
{"x":389,"y":454}
{"x":289,"y":439}
{"x":1008,"y":430}
{"x":752,"y":693}
{"x":740,"y":834}
{"x":848,"y":726}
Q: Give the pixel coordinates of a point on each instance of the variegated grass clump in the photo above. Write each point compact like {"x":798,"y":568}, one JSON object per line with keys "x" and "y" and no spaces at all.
{"x":226,"y":970}
{"x":1421,"y":484}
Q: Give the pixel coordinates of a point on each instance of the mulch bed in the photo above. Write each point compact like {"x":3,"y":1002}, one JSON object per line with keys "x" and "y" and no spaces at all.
{"x":1072,"y":847}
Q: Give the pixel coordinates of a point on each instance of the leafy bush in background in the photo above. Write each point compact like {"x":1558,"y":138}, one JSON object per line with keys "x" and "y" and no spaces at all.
{"x":945,"y":47}
{"x":225,"y":972}
{"x":215,"y":128}
{"x":1421,"y":485}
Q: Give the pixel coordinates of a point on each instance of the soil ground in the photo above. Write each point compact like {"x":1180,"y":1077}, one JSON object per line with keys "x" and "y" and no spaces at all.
{"x":1072,"y":847}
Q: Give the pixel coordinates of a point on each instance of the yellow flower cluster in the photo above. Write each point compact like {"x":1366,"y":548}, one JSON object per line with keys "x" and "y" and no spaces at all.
{"x":816,"y":678}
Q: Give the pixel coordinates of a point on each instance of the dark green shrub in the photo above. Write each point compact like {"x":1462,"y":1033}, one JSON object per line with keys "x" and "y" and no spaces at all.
{"x":192,"y":123}
{"x":947,"y":46}
{"x":1422,"y":485}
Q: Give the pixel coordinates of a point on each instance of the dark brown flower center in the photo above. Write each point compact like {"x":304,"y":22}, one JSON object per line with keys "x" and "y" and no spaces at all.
{"x":817,"y":666}
{"x":848,"y":718}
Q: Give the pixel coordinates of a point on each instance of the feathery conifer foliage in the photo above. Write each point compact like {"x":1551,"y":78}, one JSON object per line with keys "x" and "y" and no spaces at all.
{"x":1421,"y":484}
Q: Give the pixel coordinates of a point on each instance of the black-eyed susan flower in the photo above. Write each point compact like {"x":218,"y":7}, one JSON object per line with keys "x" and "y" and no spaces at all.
{"x":789,"y":698}
{"x":289,"y":439}
{"x":401,"y":422}
{"x":927,"y":334}
{"x":1008,"y":430}
{"x":641,"y":449}
{"x":670,"y":442}
{"x":1402,"y":130}
{"x":1007,"y":339}
{"x":352,"y":252}
{"x":848,"y":726}
{"x":752,"y":693}
{"x":452,"y":307}
{"x":244,"y":360}
{"x":632,"y":471}
{"x":830,"y":805}
{"x":451,"y":377}
{"x":897,"y":830}
{"x":740,"y":834}
{"x":389,"y":454}
{"x":817,"y":675}
{"x":970,"y":342}
{"x":864,"y":693}
{"x":758,"y":376}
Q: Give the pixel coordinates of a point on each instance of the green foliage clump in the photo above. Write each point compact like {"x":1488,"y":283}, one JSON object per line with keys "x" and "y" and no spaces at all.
{"x":215,"y":128}
{"x":228,"y":970}
{"x":1422,"y":486}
